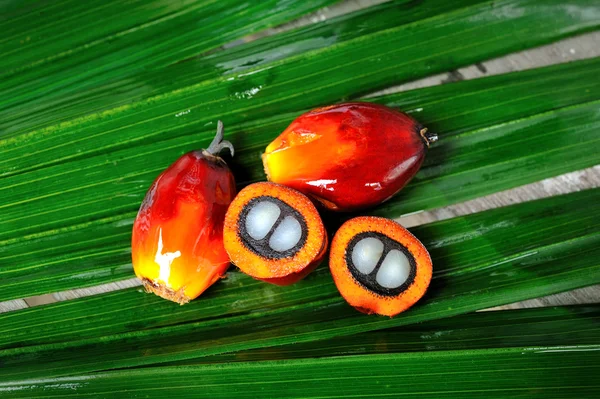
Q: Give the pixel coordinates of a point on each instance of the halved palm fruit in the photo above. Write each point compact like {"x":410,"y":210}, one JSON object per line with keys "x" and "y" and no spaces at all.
{"x":378,"y":266}
{"x":274,"y":233}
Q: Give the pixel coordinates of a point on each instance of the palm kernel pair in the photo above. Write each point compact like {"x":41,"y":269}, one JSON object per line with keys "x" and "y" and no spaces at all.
{"x":275,"y":234}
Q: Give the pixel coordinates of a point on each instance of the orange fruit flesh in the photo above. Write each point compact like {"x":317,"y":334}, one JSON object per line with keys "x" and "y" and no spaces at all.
{"x":284,"y":270}
{"x":354,"y":291}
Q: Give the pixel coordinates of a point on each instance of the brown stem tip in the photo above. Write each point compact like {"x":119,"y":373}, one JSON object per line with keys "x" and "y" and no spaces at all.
{"x":428,"y":137}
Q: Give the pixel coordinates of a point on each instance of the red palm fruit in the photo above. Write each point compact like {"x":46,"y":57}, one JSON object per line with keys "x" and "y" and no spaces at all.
{"x":348,"y":156}
{"x":177,"y":243}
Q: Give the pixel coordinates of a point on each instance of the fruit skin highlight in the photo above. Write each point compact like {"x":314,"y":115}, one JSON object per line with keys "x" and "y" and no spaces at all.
{"x":177,"y":242}
{"x":348,"y":156}
{"x":285,"y":269}
{"x":355,"y":292}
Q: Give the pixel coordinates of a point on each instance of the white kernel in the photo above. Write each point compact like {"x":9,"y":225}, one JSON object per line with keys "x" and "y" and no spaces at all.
{"x":261,"y":218}
{"x":366,"y":254}
{"x":286,"y":235}
{"x":394,"y":270}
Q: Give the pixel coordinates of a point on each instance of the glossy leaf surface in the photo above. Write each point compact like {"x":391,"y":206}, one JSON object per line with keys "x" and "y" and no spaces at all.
{"x":324,"y":76}
{"x":69,"y":58}
{"x":93,"y":107}
{"x":65,"y":29}
{"x":532,"y":372}
{"x":552,"y":326}
{"x":79,"y":85}
{"x":482,"y":260}
{"x":494,"y":137}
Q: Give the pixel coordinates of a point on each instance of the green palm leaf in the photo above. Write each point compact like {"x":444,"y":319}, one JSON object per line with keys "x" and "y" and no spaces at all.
{"x":97,"y":98}
{"x":482,"y":260}
{"x":78,"y":58}
{"x":533,"y":372}
{"x":554,"y":326}
{"x":305,"y":80}
{"x":542,"y":330}
{"x":495,"y":137}
{"x":78,"y":91}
